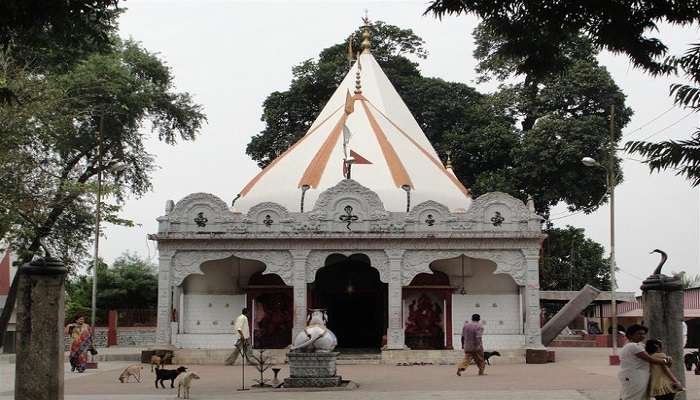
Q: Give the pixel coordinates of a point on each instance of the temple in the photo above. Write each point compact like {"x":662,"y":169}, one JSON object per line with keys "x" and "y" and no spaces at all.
{"x":362,"y":218}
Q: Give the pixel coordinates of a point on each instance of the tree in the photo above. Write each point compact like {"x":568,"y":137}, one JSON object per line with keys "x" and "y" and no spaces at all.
{"x":289,"y":114}
{"x":64,"y":124}
{"x":570,"y":260}
{"x":534,"y":37}
{"x":683,"y":156}
{"x":534,"y":31}
{"x":129,"y":283}
{"x":489,"y":152}
{"x":54,"y":35}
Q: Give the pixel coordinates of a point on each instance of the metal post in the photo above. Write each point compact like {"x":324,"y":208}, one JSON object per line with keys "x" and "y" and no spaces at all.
{"x":98,"y":209}
{"x":611,"y":190}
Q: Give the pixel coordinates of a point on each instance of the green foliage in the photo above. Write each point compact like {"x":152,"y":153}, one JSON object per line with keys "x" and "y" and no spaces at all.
{"x":51,"y":143}
{"x":489,"y":152}
{"x":52,"y":35}
{"x":289,"y":114}
{"x":130,"y":283}
{"x":683,"y":156}
{"x":534,"y":31}
{"x":570,"y":260}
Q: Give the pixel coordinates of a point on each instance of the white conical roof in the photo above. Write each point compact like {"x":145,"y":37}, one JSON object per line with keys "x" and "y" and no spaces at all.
{"x":383,"y":132}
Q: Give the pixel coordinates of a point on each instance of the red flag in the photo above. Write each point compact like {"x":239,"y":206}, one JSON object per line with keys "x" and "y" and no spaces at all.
{"x":359,"y":159}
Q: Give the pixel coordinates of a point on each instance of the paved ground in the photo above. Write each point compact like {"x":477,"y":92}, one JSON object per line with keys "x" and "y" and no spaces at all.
{"x":578,"y":374}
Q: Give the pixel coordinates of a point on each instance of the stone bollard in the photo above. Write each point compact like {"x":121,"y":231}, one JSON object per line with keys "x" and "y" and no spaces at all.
{"x":662,"y":297}
{"x":40,"y":314}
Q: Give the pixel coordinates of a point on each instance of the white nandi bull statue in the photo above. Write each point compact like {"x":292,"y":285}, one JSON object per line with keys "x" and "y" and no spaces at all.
{"x":316,"y":337}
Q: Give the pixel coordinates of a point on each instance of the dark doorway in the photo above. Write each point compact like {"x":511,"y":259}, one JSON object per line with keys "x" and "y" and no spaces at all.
{"x":356,"y":301}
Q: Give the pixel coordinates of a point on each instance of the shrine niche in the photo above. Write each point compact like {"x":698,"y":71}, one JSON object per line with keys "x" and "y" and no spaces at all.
{"x":273,"y":309}
{"x":426,"y":303}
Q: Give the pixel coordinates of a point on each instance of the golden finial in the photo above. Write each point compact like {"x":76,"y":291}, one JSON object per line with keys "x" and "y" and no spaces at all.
{"x":358,"y":81}
{"x":365,"y":34}
{"x":448,"y":165}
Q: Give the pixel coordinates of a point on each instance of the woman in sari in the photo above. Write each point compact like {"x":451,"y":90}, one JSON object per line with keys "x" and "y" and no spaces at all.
{"x":81,"y":341}
{"x":635,"y":365}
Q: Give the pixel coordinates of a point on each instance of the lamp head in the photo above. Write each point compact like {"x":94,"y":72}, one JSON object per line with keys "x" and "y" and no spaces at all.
{"x":589,"y":162}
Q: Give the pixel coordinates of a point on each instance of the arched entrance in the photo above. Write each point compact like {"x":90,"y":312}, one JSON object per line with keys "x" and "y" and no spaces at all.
{"x":355,"y":298}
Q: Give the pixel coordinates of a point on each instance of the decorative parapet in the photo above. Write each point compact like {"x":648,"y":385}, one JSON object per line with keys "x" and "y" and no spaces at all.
{"x":347,"y":208}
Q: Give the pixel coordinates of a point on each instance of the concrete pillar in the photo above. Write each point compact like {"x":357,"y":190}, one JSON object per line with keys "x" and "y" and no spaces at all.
{"x":299,"y":279}
{"x":395,"y":334}
{"x":662,"y":297}
{"x":568,"y":313}
{"x":40,"y":314}
{"x":533,"y":335}
{"x":163,"y":333}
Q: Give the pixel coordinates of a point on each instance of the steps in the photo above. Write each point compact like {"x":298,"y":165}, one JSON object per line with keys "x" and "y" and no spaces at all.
{"x":359,"y":358}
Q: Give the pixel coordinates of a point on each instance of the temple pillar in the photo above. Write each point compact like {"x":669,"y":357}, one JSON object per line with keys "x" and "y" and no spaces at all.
{"x":163,"y":332}
{"x":395,"y":331}
{"x":531,"y":290}
{"x":299,"y":258}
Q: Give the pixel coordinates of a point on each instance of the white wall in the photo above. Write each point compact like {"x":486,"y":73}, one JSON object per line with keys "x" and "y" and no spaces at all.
{"x":211,"y":313}
{"x":499,"y":314}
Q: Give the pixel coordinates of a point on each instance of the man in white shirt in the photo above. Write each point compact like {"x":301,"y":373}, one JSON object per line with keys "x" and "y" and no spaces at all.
{"x":242,"y":330}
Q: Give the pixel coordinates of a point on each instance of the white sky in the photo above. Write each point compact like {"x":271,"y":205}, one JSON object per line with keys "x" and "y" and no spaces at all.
{"x":231,"y":55}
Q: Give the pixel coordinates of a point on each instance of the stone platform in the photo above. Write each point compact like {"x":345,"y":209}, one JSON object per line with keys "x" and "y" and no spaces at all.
{"x":312,"y":370}
{"x":386,"y":357}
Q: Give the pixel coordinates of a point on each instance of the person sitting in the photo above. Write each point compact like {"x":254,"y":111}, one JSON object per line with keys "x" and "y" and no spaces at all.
{"x":663,"y":385}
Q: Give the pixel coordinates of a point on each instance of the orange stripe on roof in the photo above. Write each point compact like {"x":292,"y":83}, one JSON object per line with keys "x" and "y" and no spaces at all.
{"x":260,"y":174}
{"x":437,"y":163}
{"x":398,"y":171}
{"x":314,"y":171}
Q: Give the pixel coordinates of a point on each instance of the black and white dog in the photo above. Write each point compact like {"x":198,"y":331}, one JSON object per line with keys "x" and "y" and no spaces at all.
{"x":489,"y":354}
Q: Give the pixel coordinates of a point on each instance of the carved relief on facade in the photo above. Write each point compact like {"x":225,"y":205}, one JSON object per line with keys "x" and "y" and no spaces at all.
{"x":332,"y":202}
{"x":498,"y":211}
{"x":317,"y":260}
{"x":509,"y":262}
{"x":429,"y":216}
{"x":186,"y":263}
{"x":198,"y":212}
{"x":268,"y":216}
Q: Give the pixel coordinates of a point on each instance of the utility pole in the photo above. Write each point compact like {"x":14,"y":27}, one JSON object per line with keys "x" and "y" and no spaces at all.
{"x":98,"y":210}
{"x":611,"y":190}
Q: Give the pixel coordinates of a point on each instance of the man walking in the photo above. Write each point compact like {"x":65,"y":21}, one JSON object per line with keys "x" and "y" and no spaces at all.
{"x":242,"y":330}
{"x":472,"y":345}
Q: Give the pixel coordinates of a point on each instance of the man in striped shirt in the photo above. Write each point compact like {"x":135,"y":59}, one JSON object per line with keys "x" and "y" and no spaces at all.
{"x":472,"y":345}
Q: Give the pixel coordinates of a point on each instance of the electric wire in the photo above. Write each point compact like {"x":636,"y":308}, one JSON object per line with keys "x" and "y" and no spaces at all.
{"x":648,"y":123}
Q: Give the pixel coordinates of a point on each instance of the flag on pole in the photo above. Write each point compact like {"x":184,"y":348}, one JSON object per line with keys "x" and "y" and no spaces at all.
{"x":359,"y":159}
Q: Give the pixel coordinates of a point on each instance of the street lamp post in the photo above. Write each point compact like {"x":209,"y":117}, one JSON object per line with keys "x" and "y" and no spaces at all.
{"x":610,"y":183}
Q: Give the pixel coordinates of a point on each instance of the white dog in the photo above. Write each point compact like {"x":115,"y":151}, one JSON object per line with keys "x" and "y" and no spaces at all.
{"x":185,"y":383}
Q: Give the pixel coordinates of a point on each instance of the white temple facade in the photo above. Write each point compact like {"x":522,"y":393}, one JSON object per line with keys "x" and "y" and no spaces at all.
{"x":359,"y":217}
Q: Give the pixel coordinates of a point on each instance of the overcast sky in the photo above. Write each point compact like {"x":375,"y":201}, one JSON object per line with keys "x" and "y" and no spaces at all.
{"x":231,"y":55}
